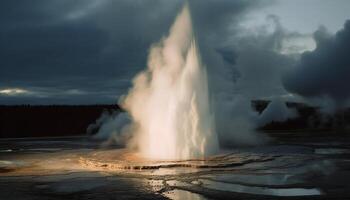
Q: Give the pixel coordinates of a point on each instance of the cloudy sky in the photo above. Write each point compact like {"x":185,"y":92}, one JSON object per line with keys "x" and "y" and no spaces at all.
{"x":87,"y":51}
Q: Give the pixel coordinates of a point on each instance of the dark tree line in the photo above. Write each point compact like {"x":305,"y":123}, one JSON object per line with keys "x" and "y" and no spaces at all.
{"x":71,"y":120}
{"x":51,"y":120}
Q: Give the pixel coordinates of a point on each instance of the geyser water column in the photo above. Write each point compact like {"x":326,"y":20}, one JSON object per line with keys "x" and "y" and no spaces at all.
{"x":169,"y":101}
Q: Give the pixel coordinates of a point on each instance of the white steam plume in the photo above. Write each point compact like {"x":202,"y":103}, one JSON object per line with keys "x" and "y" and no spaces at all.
{"x":169,"y":101}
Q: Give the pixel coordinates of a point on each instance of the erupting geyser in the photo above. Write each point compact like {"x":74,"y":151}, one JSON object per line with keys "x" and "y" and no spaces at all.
{"x":169,"y":101}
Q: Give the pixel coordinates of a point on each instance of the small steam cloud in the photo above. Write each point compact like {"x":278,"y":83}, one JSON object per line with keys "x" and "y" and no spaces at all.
{"x":276,"y":111}
{"x":236,"y":122}
{"x":114,"y":128}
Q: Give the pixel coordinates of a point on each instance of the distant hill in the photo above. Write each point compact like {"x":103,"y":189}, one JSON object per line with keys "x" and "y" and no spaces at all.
{"x":53,"y":120}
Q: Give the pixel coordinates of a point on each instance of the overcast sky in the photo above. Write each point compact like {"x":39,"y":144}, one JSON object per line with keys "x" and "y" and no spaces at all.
{"x":87,"y":51}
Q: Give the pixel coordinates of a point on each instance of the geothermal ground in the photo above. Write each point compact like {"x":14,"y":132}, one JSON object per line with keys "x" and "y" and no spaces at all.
{"x":74,"y":168}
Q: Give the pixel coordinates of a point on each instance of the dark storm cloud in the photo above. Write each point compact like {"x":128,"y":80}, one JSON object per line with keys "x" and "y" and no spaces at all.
{"x":216,"y":25}
{"x":69,"y":49}
{"x":62,"y":45}
{"x":260,"y":61}
{"x":88,"y":45}
{"x":215,"y":20}
{"x":324,"y":72}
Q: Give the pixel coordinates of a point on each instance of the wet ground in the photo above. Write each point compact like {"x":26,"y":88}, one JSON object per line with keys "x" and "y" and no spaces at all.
{"x":77,"y":168}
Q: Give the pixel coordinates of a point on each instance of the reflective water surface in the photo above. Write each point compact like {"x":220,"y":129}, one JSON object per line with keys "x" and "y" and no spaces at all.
{"x":54,"y":168}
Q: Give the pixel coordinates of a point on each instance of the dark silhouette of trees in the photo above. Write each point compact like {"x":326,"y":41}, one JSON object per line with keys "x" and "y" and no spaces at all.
{"x":51,"y":120}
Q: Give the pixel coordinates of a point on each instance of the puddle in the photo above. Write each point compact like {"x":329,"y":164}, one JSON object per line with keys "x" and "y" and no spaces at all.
{"x":182,"y":194}
{"x":5,"y":163}
{"x":195,"y":182}
{"x":6,"y":150}
{"x":327,"y":151}
{"x":11,"y":164}
{"x":170,"y":171}
{"x":259,"y":190}
{"x":73,"y":186}
{"x":282,"y":149}
{"x":67,"y":176}
{"x":265,"y":179}
{"x":45,"y":149}
{"x":178,"y":183}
